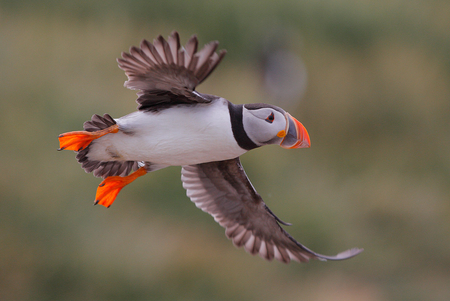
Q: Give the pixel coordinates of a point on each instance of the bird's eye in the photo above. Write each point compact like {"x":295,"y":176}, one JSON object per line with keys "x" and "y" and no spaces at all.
{"x":270,"y":118}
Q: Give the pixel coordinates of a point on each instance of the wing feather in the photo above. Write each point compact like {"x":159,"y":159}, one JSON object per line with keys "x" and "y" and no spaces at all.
{"x":223,"y":190}
{"x":190,"y":49}
{"x":158,"y":50}
{"x":166,"y":74}
{"x":174,"y":45}
{"x":145,"y":47}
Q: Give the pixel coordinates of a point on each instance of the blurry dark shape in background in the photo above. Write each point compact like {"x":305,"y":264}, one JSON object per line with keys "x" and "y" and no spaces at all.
{"x":283,"y":73}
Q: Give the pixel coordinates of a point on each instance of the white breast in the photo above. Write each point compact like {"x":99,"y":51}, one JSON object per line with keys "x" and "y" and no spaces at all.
{"x":182,"y":135}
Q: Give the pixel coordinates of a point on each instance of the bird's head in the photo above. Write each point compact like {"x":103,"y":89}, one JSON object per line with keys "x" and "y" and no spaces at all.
{"x":267,"y":124}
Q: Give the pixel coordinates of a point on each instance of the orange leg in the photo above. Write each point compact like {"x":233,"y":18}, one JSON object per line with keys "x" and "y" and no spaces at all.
{"x":108,"y":190}
{"x":79,"y":140}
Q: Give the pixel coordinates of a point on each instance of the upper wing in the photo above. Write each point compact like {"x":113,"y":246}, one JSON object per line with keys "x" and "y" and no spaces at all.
{"x":223,"y":190}
{"x":167,"y":74}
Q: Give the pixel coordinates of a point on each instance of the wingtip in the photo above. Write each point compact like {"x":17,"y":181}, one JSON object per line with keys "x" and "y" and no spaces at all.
{"x":144,"y":43}
{"x":348,"y":253}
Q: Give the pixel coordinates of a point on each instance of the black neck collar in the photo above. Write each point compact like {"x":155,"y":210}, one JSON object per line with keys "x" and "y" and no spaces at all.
{"x":237,"y":126}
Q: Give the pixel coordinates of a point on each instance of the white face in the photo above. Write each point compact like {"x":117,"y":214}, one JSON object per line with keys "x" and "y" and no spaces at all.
{"x":264,"y":125}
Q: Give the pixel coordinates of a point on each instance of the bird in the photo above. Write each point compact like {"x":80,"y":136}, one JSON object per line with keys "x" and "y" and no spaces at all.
{"x":175,"y":125}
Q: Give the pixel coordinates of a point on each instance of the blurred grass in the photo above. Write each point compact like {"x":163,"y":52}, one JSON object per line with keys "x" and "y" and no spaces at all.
{"x":376,"y":107}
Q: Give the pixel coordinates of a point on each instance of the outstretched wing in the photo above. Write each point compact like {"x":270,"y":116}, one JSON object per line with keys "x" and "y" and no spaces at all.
{"x":167,"y":74}
{"x":223,"y":190}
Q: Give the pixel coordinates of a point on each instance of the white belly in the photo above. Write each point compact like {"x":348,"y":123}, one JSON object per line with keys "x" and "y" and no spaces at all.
{"x":181,"y":135}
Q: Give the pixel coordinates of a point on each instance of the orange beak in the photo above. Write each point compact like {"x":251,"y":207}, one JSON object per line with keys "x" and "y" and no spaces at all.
{"x":297,"y":136}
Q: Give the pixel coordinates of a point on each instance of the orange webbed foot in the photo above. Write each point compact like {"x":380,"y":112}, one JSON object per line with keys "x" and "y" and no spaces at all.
{"x":79,"y":140}
{"x":110,"y":187}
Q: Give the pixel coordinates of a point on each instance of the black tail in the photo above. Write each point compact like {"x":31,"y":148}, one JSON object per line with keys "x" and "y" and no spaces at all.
{"x":103,"y":168}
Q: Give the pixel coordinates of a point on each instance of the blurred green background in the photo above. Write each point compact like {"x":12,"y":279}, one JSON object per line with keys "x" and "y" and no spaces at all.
{"x":376,"y":105}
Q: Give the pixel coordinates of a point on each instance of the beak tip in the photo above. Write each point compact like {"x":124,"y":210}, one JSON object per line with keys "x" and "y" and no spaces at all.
{"x":307,"y":141}
{"x":297,"y":137}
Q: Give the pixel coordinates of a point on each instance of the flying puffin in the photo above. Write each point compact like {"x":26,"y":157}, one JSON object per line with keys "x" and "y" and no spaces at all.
{"x":204,"y":134}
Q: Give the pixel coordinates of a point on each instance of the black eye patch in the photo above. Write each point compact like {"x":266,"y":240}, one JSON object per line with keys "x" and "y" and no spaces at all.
{"x":271,"y":118}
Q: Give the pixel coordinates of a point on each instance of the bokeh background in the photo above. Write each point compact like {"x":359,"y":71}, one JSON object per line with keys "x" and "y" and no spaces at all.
{"x":369,"y":79}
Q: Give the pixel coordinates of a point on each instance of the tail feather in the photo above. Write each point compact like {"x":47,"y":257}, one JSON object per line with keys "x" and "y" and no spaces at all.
{"x":103,"y":169}
{"x":98,"y":122}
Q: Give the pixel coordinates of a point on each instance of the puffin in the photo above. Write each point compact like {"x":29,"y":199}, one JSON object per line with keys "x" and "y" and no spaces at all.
{"x":175,"y":125}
